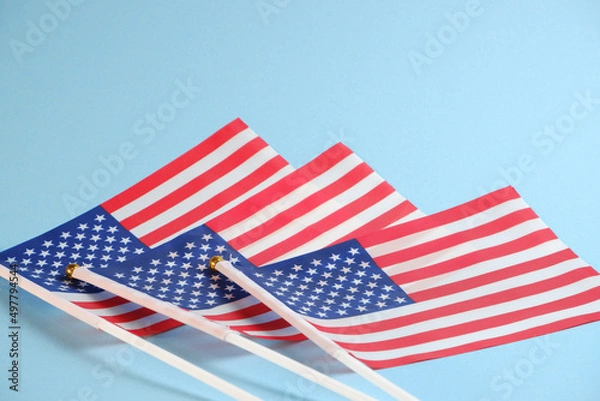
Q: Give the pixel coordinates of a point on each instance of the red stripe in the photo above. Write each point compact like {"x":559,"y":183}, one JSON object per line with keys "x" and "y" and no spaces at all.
{"x":286,"y":185}
{"x":156,"y":328}
{"x":300,"y":209}
{"x":385,"y":219}
{"x":494,"y":276}
{"x":338,"y":217}
{"x":239,"y":314}
{"x":445,"y":217}
{"x":466,"y":305}
{"x":176,"y":166}
{"x":520,"y":244}
{"x":213,"y":204}
{"x":197,"y":184}
{"x":276,"y":324}
{"x":493,"y":321}
{"x":104,"y":304}
{"x":130,"y":316}
{"x":491,"y":342}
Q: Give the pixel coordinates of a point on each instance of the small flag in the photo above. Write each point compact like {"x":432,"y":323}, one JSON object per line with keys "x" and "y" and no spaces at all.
{"x":481,"y":274}
{"x":234,"y":158}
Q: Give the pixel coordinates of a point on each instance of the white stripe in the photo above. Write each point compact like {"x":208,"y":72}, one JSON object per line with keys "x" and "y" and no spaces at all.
{"x":416,"y":214}
{"x":262,"y":185}
{"x":348,"y":226}
{"x":115,"y":310}
{"x":292,"y":199}
{"x":83,"y":297}
{"x":312,"y":217}
{"x":438,"y":232}
{"x":143,"y":322}
{"x":186,"y":175}
{"x":509,"y":329}
{"x":443,"y":255}
{"x":285,"y":332}
{"x":207,"y":192}
{"x":475,"y":270}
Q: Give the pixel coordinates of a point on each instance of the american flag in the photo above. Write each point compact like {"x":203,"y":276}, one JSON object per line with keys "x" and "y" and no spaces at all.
{"x":334,"y":196}
{"x":481,"y":274}
{"x":234,"y":158}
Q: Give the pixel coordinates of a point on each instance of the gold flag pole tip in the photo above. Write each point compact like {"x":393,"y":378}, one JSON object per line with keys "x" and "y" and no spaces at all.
{"x":70,"y":269}
{"x":212,"y":263}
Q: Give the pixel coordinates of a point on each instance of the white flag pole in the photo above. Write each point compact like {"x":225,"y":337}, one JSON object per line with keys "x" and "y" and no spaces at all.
{"x":217,"y":330}
{"x":131,"y":339}
{"x":308,"y":330}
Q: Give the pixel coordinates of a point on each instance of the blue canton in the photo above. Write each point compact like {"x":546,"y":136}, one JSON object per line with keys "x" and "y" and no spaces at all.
{"x":94,"y":240}
{"x":178,"y":272}
{"x":338,"y":281}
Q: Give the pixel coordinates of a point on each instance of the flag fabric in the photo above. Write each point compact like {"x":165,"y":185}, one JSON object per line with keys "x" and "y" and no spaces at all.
{"x":481,"y":274}
{"x":234,"y":158}
{"x":334,"y":196}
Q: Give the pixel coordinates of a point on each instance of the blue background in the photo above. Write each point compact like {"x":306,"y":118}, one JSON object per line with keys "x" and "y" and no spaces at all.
{"x":302,"y":74}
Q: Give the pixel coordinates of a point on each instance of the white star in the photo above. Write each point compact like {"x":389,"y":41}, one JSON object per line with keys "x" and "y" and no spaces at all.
{"x":106,"y":258}
{"x":138,"y":251}
{"x":65,"y":235}
{"x":233,"y":260}
{"x":400,"y":300}
{"x":155,"y":262}
{"x":296,"y":268}
{"x":353,"y":251}
{"x":97,"y":228}
{"x":44,"y":253}
{"x":315,"y":262}
{"x":190,"y":245}
{"x":349,"y":261}
{"x":100,"y":218}
{"x":62,"y":245}
{"x":47,"y":244}
{"x":119,"y":275}
{"x":110,"y":239}
{"x":220,"y":248}
{"x":125,"y":240}
{"x":137,"y":269}
{"x":77,"y":246}
{"x":121,"y":259}
{"x":93,"y":247}
{"x":90,"y":256}
{"x":153,"y":271}
{"x":123,"y":249}
{"x":95,"y":238}
{"x":29,"y":252}
{"x":335,"y":257}
{"x":188,"y":255}
{"x":173,"y":254}
{"x":113,"y":229}
{"x":381,"y":304}
{"x":207,"y":237}
{"x":83,"y":226}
